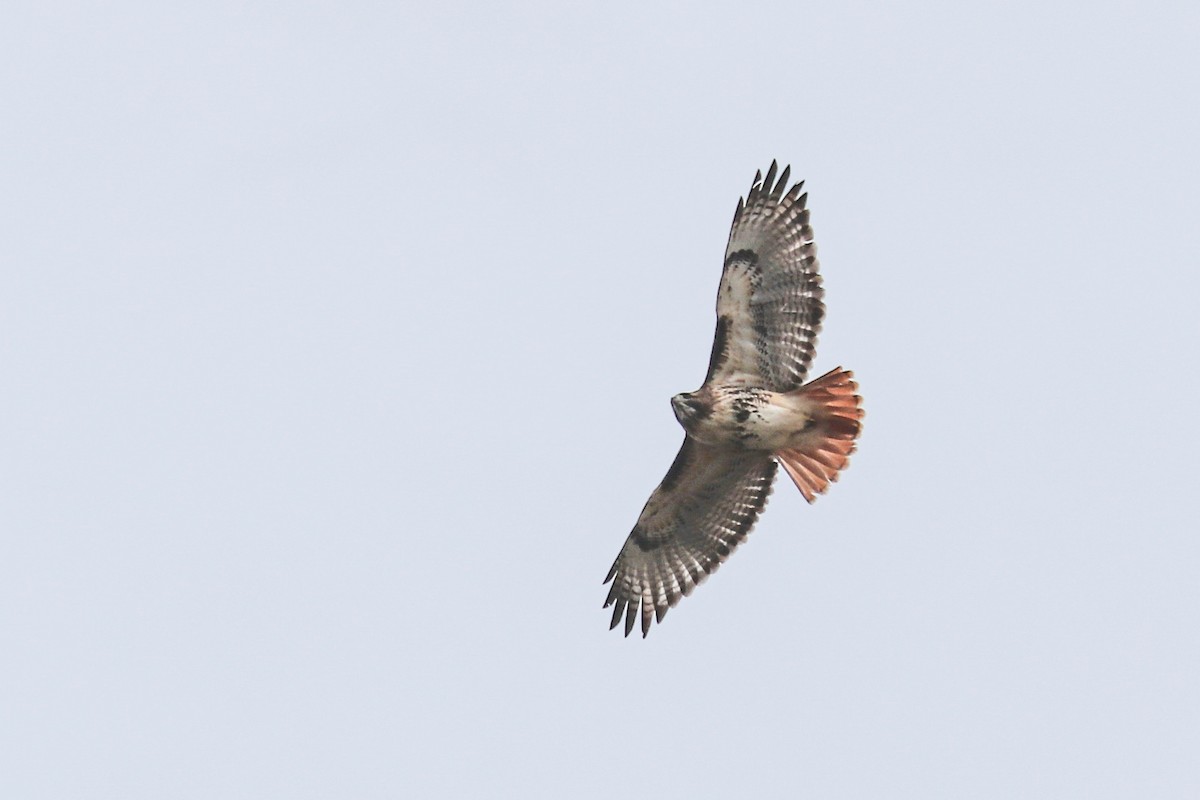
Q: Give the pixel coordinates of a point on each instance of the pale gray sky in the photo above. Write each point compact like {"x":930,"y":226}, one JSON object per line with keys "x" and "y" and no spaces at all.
{"x":337,"y":343}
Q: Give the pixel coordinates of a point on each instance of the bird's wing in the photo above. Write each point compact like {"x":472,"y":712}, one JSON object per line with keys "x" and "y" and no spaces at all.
{"x":769,"y":306}
{"x":698,"y":515}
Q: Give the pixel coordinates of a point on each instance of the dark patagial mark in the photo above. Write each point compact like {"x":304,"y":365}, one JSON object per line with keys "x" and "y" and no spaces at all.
{"x":748,"y":256}
{"x":671,"y":480}
{"x":644,"y":542}
{"x":720,"y":348}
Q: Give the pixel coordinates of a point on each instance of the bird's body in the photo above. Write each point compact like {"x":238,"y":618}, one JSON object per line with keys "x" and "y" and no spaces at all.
{"x":753,"y":412}
{"x":744,"y":417}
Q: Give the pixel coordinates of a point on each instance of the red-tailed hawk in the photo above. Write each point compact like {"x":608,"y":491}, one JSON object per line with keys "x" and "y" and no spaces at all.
{"x":753,"y":412}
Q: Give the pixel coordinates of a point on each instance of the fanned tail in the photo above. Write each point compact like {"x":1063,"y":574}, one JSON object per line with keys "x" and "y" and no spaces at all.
{"x":823,"y":449}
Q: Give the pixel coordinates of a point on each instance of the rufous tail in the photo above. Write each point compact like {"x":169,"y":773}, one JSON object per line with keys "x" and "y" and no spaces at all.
{"x":823,"y":449}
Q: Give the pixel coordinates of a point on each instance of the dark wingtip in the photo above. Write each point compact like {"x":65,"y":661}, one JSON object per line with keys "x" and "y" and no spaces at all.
{"x":769,"y":181}
{"x":783,"y":181}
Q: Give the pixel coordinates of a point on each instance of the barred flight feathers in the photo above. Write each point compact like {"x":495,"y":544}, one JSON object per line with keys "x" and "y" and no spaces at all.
{"x":769,"y":305}
{"x":703,"y":509}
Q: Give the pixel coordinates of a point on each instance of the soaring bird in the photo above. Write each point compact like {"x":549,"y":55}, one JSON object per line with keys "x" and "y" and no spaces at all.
{"x":753,"y":413}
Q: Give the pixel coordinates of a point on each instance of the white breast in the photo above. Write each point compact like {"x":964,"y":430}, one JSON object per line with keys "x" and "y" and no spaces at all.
{"x":754,"y":419}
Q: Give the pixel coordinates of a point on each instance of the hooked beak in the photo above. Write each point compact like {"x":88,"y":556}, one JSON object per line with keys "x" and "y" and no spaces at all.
{"x":684,"y":406}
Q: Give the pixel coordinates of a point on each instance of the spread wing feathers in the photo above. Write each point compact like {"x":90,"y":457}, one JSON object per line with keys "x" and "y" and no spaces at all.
{"x":769,"y":305}
{"x":699,"y":514}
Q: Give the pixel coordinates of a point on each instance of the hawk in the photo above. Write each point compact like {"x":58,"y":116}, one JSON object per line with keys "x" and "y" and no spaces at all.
{"x":753,"y":413}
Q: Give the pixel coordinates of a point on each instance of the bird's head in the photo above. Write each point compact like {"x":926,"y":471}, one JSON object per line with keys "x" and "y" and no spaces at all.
{"x":690,"y":407}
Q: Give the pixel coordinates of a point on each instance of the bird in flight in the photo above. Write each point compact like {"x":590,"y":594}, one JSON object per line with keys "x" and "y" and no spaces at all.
{"x":753,"y":413}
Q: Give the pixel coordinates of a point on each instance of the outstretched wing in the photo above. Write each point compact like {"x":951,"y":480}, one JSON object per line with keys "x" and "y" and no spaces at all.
{"x":697,"y":516}
{"x":769,"y":306}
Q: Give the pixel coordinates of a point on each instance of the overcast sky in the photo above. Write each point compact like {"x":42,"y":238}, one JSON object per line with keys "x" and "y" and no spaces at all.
{"x":337,"y":341}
